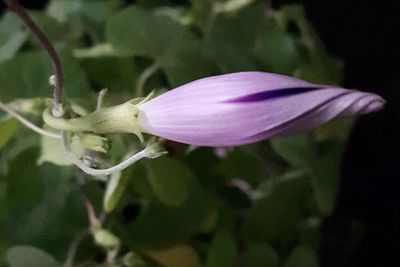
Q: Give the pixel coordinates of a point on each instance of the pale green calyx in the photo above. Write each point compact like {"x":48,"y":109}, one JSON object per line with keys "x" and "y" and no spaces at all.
{"x":117,"y":119}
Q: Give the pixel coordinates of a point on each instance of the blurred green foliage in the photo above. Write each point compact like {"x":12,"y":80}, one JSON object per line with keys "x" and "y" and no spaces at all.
{"x":256,"y":205}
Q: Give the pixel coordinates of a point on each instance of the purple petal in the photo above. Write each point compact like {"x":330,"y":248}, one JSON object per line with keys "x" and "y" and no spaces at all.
{"x":246,"y":107}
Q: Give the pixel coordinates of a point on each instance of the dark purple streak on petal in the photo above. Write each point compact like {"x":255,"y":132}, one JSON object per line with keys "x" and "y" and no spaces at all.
{"x":272,"y":94}
{"x":278,"y":130}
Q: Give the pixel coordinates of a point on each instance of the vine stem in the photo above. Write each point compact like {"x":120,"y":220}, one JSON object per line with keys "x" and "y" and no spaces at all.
{"x":69,"y":260}
{"x":27,"y":123}
{"x":146,"y":74}
{"x":48,"y":47}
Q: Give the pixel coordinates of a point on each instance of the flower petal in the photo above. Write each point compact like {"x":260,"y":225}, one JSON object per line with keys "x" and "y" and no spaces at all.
{"x":245,"y":107}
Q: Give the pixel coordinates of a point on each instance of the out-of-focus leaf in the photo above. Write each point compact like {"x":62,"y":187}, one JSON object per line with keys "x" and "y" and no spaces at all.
{"x":302,"y":257}
{"x":26,"y":256}
{"x":201,"y":14}
{"x":176,"y":256}
{"x":40,"y":205}
{"x":24,"y":186}
{"x":62,"y":10}
{"x":312,"y":72}
{"x":338,"y":129}
{"x":132,"y":259}
{"x":324,"y":177}
{"x":169,"y":180}
{"x":159,"y":225}
{"x":231,"y":6}
{"x":261,"y":255}
{"x":318,"y":66}
{"x":275,"y":216}
{"x":185,"y":61}
{"x":52,"y":151}
{"x":134,"y":31}
{"x":298,"y":150}
{"x":310,"y":232}
{"x":222,"y":251}
{"x":21,"y":80}
{"x":11,"y":36}
{"x":7,"y":130}
{"x":231,"y":37}
{"x":105,"y":238}
{"x":206,"y":169}
{"x":277,"y":49}
{"x":242,"y":165}
{"x":54,"y":30}
{"x":321,"y":163}
{"x":114,"y":73}
{"x":99,"y":50}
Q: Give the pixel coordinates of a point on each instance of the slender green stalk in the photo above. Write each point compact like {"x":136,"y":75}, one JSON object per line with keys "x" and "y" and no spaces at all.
{"x":146,"y":74}
{"x":27,"y":123}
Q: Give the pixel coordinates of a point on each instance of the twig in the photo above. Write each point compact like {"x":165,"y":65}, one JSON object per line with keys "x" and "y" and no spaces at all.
{"x":69,"y":260}
{"x":27,"y":123}
{"x":100,"y":98}
{"x":48,"y":47}
{"x":89,"y":209}
{"x":146,"y":74}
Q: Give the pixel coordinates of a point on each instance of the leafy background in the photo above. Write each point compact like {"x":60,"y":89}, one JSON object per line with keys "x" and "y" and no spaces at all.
{"x":264,"y":204}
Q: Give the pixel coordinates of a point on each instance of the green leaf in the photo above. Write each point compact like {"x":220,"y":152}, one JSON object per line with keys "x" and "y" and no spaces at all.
{"x":159,"y":225}
{"x":134,"y":31}
{"x":54,"y":30}
{"x":52,"y":151}
{"x":24,"y":185}
{"x":186,"y":61}
{"x":7,"y":130}
{"x":176,"y":256}
{"x":275,"y":216}
{"x":298,"y":150}
{"x":261,"y":255}
{"x":242,"y":165}
{"x":317,"y":66}
{"x":302,"y":257}
{"x":114,"y":73}
{"x":222,"y":251}
{"x":27,"y":256}
{"x":11,"y":36}
{"x":21,"y":80}
{"x":169,"y":180}
{"x":231,"y":38}
{"x":324,"y":176}
{"x":320,"y":162}
{"x":66,"y":10}
{"x":277,"y":49}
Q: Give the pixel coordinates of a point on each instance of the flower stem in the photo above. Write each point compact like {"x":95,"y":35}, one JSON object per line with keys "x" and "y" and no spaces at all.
{"x":152,"y":150}
{"x":48,"y":47}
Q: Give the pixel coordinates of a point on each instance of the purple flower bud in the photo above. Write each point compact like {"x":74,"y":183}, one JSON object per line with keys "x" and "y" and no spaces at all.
{"x":246,"y":107}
